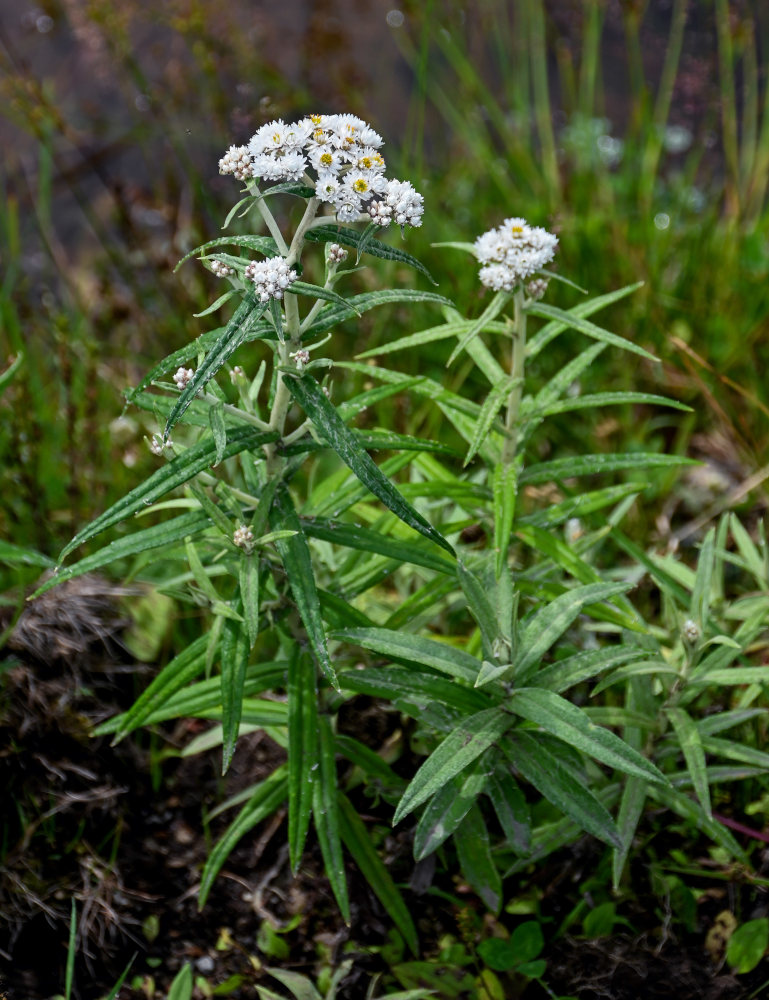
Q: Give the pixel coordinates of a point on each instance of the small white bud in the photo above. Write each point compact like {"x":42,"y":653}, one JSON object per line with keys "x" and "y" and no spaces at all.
{"x":243,"y":537}
{"x":183,"y":377}
{"x":691,"y":630}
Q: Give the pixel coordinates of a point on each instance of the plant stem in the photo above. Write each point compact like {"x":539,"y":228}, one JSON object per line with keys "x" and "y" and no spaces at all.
{"x":517,"y":367}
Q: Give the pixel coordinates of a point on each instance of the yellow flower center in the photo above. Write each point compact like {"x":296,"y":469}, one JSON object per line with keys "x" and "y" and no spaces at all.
{"x":327,"y":159}
{"x":360,"y":186}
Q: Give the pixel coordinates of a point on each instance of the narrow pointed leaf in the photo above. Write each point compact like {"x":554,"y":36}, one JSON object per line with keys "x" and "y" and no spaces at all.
{"x":544,"y":336}
{"x":235,"y":649}
{"x":591,"y":465}
{"x":367,"y":540}
{"x":352,"y":238}
{"x":303,"y":750}
{"x":248,"y":578}
{"x":480,"y":606}
{"x":492,"y":310}
{"x":558,"y":716}
{"x":560,"y":786}
{"x":590,"y":329}
{"x":332,"y":315}
{"x":494,"y":400}
{"x":630,"y":812}
{"x":460,"y":748}
{"x":446,"y":810}
{"x":268,"y":795}
{"x":512,"y":810}
{"x":177,"y":472}
{"x":693,"y":813}
{"x":263,"y":244}
{"x":475,"y":858}
{"x":248,"y":313}
{"x":505,"y":486}
{"x":401,"y":645}
{"x":325,"y":810}
{"x":295,"y":556}
{"x":318,"y":292}
{"x":332,"y":428}
{"x":364,"y":853}
{"x":597,"y":400}
{"x":551,"y":621}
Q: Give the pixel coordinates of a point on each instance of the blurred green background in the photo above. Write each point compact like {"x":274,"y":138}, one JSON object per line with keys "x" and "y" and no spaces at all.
{"x":639,"y":131}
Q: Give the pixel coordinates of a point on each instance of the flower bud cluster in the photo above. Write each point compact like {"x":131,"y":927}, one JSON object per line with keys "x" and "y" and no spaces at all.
{"x":513,"y":252}
{"x":271,"y":277}
{"x":243,"y":537}
{"x":343,"y":151}
{"x":336,"y":253}
{"x":183,"y":377}
{"x":237,"y":161}
{"x":220,"y":269}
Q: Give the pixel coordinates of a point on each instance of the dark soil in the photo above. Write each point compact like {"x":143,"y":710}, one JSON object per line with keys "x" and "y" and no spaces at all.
{"x":125,"y":833}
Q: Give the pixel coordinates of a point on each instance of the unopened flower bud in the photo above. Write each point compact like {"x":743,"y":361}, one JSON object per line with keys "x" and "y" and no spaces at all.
{"x":220,"y":269}
{"x":183,"y":377}
{"x":336,"y":253}
{"x":301,"y":357}
{"x":243,"y":537}
{"x":537,"y":288}
{"x":691,"y":630}
{"x":237,"y":161}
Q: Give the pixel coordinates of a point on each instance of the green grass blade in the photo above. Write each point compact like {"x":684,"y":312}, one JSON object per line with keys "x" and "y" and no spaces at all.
{"x":181,"y":987}
{"x":69,"y":972}
{"x":295,"y":556}
{"x":334,"y":431}
{"x":269,"y":794}
{"x":303,"y":759}
{"x":358,"y":843}
{"x":462,"y":746}
{"x":177,"y":472}
{"x":558,"y":716}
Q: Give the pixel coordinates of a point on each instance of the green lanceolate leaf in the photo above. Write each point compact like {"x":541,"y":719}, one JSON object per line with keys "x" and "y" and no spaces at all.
{"x":693,"y":813}
{"x":177,"y":472}
{"x":295,"y":556}
{"x":585,"y":326}
{"x":248,"y":313}
{"x":551,"y":621}
{"x":480,"y":607}
{"x":491,"y":405}
{"x":558,"y":716}
{"x":475,"y":858}
{"x":248,"y":578}
{"x":269,"y":794}
{"x":332,"y":315}
{"x":446,"y":810}
{"x":318,"y":292}
{"x":690,"y":742}
{"x":544,"y":336}
{"x":512,"y":810}
{"x":172,"y":678}
{"x":331,"y":427}
{"x":461,"y":747}
{"x":597,"y":400}
{"x":365,"y":539}
{"x":563,"y":674}
{"x":400,"y":645}
{"x":492,"y":310}
{"x":234,"y":650}
{"x":580,"y":505}
{"x":630,"y":812}
{"x":411,"y":690}
{"x":505,"y":486}
{"x":325,"y":808}
{"x":352,"y":238}
{"x":158,"y":535}
{"x":262,"y":244}
{"x":456,"y":328}
{"x":590,"y":465}
{"x":303,"y":760}
{"x":364,"y":853}
{"x":559,"y":785}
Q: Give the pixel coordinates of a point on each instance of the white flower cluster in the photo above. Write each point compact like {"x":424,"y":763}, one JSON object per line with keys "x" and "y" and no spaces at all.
{"x":513,"y":252}
{"x":243,"y":537}
{"x":343,"y":150}
{"x":271,"y":277}
{"x":220,"y":269}
{"x":336,"y":253}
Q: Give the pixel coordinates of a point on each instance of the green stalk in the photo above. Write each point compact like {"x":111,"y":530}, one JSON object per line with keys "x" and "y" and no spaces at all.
{"x":542,"y":108}
{"x":728,"y":107}
{"x":517,"y":367}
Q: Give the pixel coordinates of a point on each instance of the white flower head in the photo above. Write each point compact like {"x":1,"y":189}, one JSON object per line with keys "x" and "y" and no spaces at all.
{"x":336,"y":252}
{"x":406,"y":203}
{"x":271,"y":277}
{"x":513,"y":252}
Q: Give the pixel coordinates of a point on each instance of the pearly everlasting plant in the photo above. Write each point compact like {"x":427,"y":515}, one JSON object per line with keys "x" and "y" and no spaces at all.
{"x":290,"y":538}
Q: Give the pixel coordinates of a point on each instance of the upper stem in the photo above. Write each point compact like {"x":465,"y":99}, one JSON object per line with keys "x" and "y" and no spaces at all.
{"x":517,"y":369}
